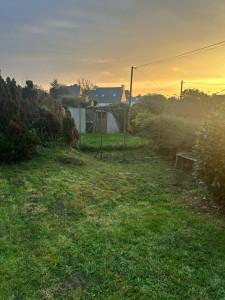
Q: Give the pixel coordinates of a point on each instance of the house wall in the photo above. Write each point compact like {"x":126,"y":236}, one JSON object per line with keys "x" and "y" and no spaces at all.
{"x":124,"y":98}
{"x":76,"y":113}
{"x":111,"y":124}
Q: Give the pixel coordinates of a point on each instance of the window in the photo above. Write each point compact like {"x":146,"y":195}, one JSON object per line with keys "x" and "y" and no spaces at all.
{"x":96,"y":95}
{"x":103,"y":95}
{"x":114,"y":95}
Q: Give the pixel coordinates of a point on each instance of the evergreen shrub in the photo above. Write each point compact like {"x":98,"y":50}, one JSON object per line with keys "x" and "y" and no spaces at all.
{"x":210,"y":149}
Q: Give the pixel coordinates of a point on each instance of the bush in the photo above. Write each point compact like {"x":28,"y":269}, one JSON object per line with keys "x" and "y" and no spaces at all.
{"x":210,"y":149}
{"x":148,"y":104}
{"x":16,"y":141}
{"x":70,"y":132}
{"x":169,"y":134}
{"x":29,"y":116}
{"x":72,"y":101}
{"x":43,"y":113}
{"x":137,"y":116}
{"x":153,"y":103}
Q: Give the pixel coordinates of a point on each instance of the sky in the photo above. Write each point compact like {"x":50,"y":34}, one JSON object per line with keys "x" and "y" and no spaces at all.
{"x":101,"y":39}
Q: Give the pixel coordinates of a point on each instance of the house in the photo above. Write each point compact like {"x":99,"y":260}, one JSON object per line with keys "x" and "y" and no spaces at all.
{"x":109,"y":95}
{"x":94,"y":120}
{"x":134,"y":100}
{"x":218,"y":98}
{"x":75,"y":90}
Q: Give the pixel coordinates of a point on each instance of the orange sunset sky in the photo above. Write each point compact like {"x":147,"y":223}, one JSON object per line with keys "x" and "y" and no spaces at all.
{"x":101,"y":40}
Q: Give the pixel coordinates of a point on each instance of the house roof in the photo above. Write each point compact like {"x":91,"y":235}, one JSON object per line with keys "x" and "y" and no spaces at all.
{"x":75,"y":89}
{"x":108,"y":94}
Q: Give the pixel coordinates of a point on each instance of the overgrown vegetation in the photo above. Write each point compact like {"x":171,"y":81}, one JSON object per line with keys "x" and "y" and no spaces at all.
{"x":210,"y":148}
{"x":29,"y":116}
{"x":70,"y":132}
{"x":149,"y":104}
{"x":16,"y":140}
{"x":172,"y":127}
{"x":77,"y":228}
{"x":194,"y":105}
{"x":169,"y":134}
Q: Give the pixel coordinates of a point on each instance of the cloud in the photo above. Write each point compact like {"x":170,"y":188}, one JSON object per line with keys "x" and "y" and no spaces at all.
{"x":95,"y":60}
{"x":176,"y":69}
{"x":44,"y":38}
{"x":101,"y":61}
{"x":108,"y":74}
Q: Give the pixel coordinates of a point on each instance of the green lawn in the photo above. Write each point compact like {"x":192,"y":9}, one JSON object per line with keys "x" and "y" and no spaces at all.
{"x":75,"y":227}
{"x":92,"y":142}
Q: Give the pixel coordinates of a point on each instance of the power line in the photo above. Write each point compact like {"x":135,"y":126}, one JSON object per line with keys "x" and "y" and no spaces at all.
{"x":168,"y":87}
{"x":157,"y":86}
{"x":148,"y":78}
{"x":196,"y":51}
{"x":188,"y":85}
{"x":205,"y":83}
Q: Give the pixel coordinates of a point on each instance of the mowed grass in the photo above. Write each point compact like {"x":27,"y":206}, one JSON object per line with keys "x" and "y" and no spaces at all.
{"x":74,"y":227}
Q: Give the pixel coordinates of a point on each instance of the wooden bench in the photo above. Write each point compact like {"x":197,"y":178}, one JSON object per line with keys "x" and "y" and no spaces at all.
{"x":185,"y":161}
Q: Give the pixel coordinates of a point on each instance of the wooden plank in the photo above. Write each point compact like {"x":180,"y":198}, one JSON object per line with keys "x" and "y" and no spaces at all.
{"x":184,"y":161}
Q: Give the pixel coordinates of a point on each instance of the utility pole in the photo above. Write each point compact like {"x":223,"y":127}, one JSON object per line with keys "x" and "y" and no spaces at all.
{"x":131,"y":82}
{"x":181,"y":89}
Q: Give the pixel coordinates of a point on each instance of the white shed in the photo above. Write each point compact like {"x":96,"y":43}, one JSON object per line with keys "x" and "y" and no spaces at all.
{"x":94,"y":120}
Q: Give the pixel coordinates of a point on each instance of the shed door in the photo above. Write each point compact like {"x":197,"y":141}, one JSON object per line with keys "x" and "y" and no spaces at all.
{"x":101,"y":122}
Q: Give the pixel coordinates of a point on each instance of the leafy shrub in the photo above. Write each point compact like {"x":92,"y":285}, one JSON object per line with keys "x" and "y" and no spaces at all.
{"x":72,"y":101}
{"x":169,"y":134}
{"x":148,"y":104}
{"x":210,"y":149}
{"x":137,"y":116}
{"x":153,"y":103}
{"x":70,"y":132}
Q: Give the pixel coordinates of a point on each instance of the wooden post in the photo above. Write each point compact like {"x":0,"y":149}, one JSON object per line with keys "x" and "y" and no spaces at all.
{"x":131,"y":83}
